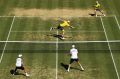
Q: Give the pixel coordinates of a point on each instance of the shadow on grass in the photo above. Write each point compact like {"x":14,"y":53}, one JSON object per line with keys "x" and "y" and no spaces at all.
{"x":91,"y":14}
{"x":17,"y":73}
{"x":56,"y":36}
{"x":65,"y":66}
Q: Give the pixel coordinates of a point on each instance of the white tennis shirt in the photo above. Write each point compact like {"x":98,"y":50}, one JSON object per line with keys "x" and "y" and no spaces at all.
{"x":74,"y":53}
{"x":18,"y":62}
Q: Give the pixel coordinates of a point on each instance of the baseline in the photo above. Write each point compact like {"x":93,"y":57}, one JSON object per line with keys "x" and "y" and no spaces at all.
{"x":110,"y":41}
{"x":50,"y":31}
{"x":57,"y":17}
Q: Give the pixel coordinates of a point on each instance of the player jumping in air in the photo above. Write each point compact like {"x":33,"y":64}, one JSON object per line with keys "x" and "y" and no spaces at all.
{"x":19,"y":65}
{"x":61,"y":26}
{"x":74,"y":58}
{"x":97,"y":8}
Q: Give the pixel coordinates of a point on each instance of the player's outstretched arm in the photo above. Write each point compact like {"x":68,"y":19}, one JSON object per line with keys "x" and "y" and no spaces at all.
{"x":72,"y":27}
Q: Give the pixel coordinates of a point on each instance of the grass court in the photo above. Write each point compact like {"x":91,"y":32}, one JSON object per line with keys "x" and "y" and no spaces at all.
{"x":46,"y":56}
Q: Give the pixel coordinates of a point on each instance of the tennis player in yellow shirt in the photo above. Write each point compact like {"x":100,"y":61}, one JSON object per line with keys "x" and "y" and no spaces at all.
{"x":97,"y":8}
{"x":61,"y":26}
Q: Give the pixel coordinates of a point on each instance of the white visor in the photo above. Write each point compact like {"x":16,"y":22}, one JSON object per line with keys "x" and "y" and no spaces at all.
{"x":73,"y":46}
{"x":20,"y":55}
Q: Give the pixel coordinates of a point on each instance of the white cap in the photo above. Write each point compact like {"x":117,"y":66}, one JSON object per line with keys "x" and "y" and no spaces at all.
{"x":73,"y":46}
{"x":20,"y":55}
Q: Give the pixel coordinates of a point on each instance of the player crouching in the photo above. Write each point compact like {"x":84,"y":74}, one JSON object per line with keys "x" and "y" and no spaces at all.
{"x":97,"y":9}
{"x":61,"y":26}
{"x":19,"y":65}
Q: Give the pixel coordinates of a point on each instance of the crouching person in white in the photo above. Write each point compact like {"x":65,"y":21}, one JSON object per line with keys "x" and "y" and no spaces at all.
{"x":19,"y":65}
{"x":74,"y":57}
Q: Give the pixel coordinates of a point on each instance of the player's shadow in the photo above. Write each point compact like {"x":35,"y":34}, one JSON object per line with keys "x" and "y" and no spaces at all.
{"x":65,"y":66}
{"x":16,"y":73}
{"x":56,"y":36}
{"x":91,"y":14}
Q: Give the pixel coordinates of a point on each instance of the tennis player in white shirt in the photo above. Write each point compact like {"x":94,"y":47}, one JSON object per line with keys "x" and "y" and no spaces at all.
{"x":19,"y":65}
{"x":74,"y":58}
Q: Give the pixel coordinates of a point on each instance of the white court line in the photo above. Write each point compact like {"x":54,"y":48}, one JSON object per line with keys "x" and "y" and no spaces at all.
{"x":58,"y":16}
{"x":7,"y":39}
{"x":110,"y":49}
{"x":50,"y":31}
{"x":117,"y":21}
{"x":111,"y":41}
{"x":57,"y":57}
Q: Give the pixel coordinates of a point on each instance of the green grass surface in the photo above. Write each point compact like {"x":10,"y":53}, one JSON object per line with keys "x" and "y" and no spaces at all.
{"x":6,"y":6}
{"x":97,"y":64}
{"x":5,"y":26}
{"x":23,"y":27}
{"x":41,"y":58}
{"x":35,"y":58}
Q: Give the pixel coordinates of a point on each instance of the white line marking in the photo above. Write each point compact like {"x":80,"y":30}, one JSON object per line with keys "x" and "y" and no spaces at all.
{"x":7,"y":39}
{"x":50,"y":31}
{"x":111,"y":41}
{"x":57,"y":57}
{"x":117,"y":21}
{"x":58,"y":16}
{"x":110,"y":48}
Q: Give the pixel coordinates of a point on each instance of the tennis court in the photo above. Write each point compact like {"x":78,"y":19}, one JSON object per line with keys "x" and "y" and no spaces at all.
{"x":46,"y":56}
